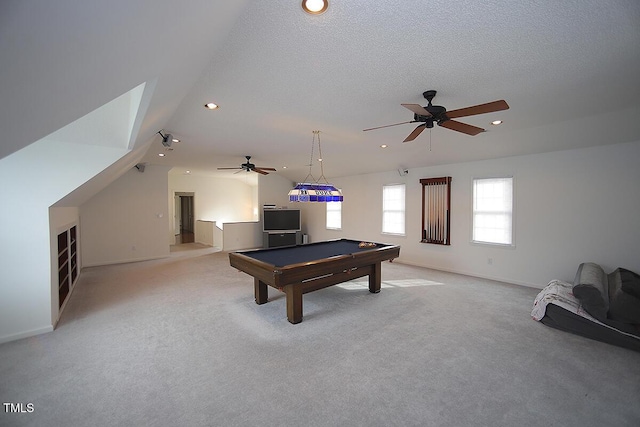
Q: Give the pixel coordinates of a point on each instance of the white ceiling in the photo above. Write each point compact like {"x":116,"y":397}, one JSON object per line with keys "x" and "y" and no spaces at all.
{"x":568,"y":69}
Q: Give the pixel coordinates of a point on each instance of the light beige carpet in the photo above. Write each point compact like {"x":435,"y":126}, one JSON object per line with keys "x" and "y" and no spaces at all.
{"x":181,"y":342}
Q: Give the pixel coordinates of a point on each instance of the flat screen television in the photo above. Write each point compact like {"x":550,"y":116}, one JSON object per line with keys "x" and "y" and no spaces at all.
{"x":279,"y":220}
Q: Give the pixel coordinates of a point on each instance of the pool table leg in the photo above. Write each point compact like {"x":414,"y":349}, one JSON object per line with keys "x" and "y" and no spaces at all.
{"x":375,"y":278}
{"x":261,"y":293}
{"x":294,"y":303}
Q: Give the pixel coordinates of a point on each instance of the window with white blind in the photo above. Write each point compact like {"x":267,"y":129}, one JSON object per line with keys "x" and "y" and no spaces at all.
{"x":334,"y":215}
{"x":393,"y":209}
{"x":493,"y":211}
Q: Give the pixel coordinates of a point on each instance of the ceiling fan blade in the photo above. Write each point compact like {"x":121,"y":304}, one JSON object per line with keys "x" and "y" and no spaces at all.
{"x":489,"y":107}
{"x":265,"y":169}
{"x":418,"y":109}
{"x":260,"y":171}
{"x":417,"y":131}
{"x":462,"y":127}
{"x":386,"y":126}
{"x":228,"y":168}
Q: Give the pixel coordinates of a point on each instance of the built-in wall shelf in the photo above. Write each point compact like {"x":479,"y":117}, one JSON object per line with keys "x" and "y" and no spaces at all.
{"x":67,"y":263}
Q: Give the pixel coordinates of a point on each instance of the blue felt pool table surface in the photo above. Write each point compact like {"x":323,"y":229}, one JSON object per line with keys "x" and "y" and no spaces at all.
{"x":289,"y":255}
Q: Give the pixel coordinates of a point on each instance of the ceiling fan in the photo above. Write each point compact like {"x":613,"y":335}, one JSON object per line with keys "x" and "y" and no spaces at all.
{"x":251,"y":167}
{"x":431,"y":114}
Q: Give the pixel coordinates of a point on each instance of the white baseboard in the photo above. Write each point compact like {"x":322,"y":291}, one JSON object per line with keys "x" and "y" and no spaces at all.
{"x":26,"y":334}
{"x":466,"y":273}
{"x":123,"y":261}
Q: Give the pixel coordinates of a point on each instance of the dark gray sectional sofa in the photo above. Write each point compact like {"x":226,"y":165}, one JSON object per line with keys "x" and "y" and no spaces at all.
{"x":600,"y":306}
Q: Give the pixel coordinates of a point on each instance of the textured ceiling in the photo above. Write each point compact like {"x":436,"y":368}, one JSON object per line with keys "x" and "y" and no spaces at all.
{"x":568,"y":70}
{"x":565,"y":68}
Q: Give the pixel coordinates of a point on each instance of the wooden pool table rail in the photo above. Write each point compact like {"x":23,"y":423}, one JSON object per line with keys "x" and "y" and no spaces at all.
{"x":301,"y":278}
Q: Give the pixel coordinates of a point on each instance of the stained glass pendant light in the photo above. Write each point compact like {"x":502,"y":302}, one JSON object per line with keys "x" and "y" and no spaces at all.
{"x":315,"y":190}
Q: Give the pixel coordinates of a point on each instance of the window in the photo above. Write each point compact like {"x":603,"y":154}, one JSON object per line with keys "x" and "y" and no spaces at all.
{"x":334,"y":215}
{"x":393,"y":209}
{"x":493,"y":210}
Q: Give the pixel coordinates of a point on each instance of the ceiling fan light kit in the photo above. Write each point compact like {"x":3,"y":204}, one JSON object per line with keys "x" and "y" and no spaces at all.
{"x":312,"y":190}
{"x":430,"y":114}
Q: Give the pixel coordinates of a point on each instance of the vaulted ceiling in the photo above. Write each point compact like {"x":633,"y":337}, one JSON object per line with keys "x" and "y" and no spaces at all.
{"x":568,"y":70}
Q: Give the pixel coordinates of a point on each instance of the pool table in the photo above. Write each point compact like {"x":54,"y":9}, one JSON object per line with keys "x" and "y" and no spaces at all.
{"x":297,"y":270}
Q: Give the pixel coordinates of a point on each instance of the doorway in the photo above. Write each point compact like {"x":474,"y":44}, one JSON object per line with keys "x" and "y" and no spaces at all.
{"x":184,"y":226}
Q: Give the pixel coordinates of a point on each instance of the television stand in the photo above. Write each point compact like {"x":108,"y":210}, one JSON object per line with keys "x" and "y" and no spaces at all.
{"x":284,"y":238}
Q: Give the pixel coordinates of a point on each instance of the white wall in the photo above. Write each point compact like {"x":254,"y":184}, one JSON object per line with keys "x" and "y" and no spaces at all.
{"x":33,"y":179}
{"x":234,"y":204}
{"x":128,"y":220}
{"x":571,"y":207}
{"x":216,"y":199}
{"x":274,"y":190}
{"x":205,"y":233}
{"x":242,"y":235}
{"x":122,"y":222}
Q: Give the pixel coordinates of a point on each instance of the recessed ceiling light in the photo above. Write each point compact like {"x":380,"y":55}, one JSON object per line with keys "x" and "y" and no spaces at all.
{"x":187,"y":172}
{"x":161,"y":154}
{"x":496,"y":122}
{"x":315,"y":7}
{"x":284,"y":167}
{"x":175,"y":140}
{"x":211,"y":106}
{"x":383,"y":146}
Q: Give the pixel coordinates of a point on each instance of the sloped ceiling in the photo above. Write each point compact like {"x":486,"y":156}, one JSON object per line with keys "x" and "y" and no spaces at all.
{"x":110,"y":125}
{"x":567,"y":69}
{"x":63,"y":59}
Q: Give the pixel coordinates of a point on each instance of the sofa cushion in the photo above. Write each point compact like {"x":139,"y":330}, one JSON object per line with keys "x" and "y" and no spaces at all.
{"x":624,"y":306}
{"x":591,"y":287}
{"x":630,"y":282}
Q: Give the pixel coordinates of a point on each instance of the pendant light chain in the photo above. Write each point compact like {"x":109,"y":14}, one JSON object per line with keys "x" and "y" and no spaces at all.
{"x":317,"y":132}
{"x":312,"y":190}
{"x":310,"y":177}
{"x":313,"y":142}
